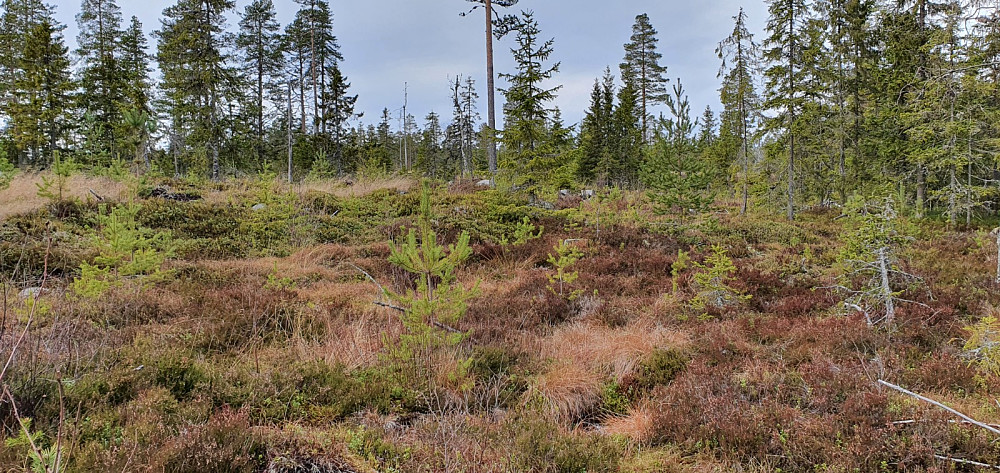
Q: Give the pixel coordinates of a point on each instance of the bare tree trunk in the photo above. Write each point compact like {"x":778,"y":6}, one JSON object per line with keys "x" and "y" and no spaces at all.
{"x":290,"y":132}
{"x":491,"y":144}
{"x":952,"y":199}
{"x":921,"y":191}
{"x":791,"y":116}
{"x":887,"y":295}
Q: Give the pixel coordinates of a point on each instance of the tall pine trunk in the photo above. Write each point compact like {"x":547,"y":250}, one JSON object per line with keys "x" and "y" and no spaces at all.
{"x":491,"y":144}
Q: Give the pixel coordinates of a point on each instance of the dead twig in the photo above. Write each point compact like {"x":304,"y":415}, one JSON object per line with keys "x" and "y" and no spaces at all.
{"x":942,"y":406}
{"x":967,"y":462}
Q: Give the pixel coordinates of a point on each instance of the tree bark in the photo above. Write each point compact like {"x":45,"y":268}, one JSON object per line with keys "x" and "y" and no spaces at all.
{"x":491,"y":144}
{"x":887,"y":295}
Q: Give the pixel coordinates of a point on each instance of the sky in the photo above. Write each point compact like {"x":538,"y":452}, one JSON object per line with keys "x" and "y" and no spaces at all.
{"x":423,"y":43}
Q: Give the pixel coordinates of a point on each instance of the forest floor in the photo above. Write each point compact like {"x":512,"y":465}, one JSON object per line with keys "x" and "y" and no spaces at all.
{"x":238,"y":332}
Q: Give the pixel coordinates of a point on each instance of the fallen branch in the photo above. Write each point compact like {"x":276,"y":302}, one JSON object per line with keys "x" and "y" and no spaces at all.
{"x":389,"y":306}
{"x":967,"y":462}
{"x":942,"y":406}
{"x":922,"y":421}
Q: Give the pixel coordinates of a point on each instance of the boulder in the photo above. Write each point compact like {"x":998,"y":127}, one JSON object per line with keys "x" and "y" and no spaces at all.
{"x":32,"y":293}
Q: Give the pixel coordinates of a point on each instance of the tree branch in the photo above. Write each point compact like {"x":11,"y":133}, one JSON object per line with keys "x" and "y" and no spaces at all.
{"x":942,"y":406}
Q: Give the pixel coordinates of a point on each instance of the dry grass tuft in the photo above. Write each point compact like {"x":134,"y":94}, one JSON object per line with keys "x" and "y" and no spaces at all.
{"x":569,"y":391}
{"x":360,"y":188}
{"x":22,"y":195}
{"x":356,"y":343}
{"x":613,"y":352}
{"x":639,"y":425}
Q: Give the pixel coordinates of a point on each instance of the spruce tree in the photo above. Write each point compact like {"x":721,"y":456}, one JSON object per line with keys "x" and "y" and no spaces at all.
{"x":338,"y":111}
{"x":740,"y":64}
{"x":462,"y":130}
{"x":596,"y":159}
{"x":259,"y":46}
{"x":41,"y":94}
{"x":642,"y":68}
{"x":192,"y":57}
{"x":134,"y":62}
{"x":626,"y":141}
{"x":102,"y":77}
{"x":527,"y":110}
{"x":430,"y":153}
{"x":784,"y":77}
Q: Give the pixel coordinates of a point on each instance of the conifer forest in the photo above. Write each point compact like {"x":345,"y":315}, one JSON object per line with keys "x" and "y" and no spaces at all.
{"x":212,"y":260}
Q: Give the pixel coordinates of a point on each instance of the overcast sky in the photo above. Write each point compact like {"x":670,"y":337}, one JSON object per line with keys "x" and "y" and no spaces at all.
{"x":424,"y":42}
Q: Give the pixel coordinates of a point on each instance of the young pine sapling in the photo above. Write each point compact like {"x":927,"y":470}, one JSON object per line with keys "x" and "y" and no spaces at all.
{"x":430,"y":311}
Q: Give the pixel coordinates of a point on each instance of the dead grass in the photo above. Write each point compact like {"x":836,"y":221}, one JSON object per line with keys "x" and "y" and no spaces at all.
{"x":356,"y":343}
{"x":360,"y":188}
{"x":611,"y":352}
{"x":639,"y":425}
{"x":568,"y":391}
{"x":22,"y":195}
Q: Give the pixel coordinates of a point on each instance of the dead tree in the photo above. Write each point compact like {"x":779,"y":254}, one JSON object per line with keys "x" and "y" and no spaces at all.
{"x":873,"y":274}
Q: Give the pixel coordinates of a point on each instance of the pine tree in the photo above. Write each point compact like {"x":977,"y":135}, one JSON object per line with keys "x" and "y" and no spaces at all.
{"x":192,"y":58}
{"x":740,"y":64}
{"x":316,"y":54}
{"x":491,"y":23}
{"x":102,"y":78}
{"x":41,"y":94}
{"x":527,"y":111}
{"x":642,"y":68}
{"x":259,"y":46}
{"x":677,"y":178}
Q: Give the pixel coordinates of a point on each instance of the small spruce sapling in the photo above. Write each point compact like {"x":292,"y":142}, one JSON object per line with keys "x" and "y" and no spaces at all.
{"x":713,"y":281}
{"x":678,"y":266}
{"x":54,"y":189}
{"x":126,"y":251}
{"x":274,"y":220}
{"x":523,"y":233}
{"x":983,"y":345}
{"x":430,"y":311}
{"x":567,"y":254}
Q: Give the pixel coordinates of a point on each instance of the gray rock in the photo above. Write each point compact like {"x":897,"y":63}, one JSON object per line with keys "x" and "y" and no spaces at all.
{"x":587,"y":194}
{"x":564,"y":192}
{"x":32,"y":292}
{"x":485,"y":183}
{"x":258,"y":207}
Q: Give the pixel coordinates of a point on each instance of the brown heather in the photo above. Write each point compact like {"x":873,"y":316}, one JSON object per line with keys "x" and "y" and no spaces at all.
{"x":234,"y":362}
